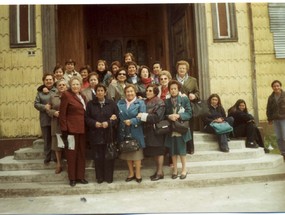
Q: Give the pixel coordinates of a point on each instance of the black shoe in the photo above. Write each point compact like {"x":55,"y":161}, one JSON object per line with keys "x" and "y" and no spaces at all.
{"x":224,"y":149}
{"x":157,"y":177}
{"x":266,"y":150}
{"x":251,"y":145}
{"x":174,"y":176}
{"x":46,"y":161}
{"x":109,"y":181}
{"x":82,"y":181}
{"x":72,"y":183}
{"x":100,"y":181}
{"x":130,"y":179}
{"x":152,"y":176}
{"x":183,"y":176}
{"x":139,"y":180}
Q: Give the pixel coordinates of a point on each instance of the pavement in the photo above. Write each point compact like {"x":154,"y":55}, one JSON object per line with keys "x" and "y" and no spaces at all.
{"x":252,"y":197}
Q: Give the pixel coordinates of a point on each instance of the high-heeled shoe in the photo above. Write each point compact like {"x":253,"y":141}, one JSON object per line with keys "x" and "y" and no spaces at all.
{"x":58,"y":170}
{"x":183,"y":176}
{"x":139,"y":180}
{"x":152,"y":176}
{"x":128,"y":179}
{"x":174,"y":176}
{"x":157,"y":177}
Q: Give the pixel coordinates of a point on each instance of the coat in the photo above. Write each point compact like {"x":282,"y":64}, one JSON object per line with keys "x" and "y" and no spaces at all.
{"x":275,"y":110}
{"x":71,"y":113}
{"x":40,"y":101}
{"x":191,"y":86}
{"x":55,"y":103}
{"x":184,"y":102}
{"x":95,"y":113}
{"x":214,"y":114}
{"x":241,"y":117}
{"x":136,"y":129}
{"x":155,"y":109}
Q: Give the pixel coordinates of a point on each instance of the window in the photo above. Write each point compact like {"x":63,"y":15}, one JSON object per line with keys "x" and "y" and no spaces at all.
{"x":224,"y":22}
{"x":22,"y":26}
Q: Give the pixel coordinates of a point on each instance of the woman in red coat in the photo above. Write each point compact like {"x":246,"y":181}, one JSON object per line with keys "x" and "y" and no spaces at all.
{"x":71,"y":119}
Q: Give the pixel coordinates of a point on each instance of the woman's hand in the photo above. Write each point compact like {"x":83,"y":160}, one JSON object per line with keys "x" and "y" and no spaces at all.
{"x":139,"y":115}
{"x":174,"y":117}
{"x":192,"y":96}
{"x":113,"y":117}
{"x":219,"y":120}
{"x":127,"y":122}
{"x":47,"y":106}
{"x":98,"y":125}
{"x":105,"y":124}
{"x":56,"y":114}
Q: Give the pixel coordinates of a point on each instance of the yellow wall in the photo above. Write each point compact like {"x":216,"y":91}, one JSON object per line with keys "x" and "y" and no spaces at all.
{"x":268,"y":68}
{"x":229,"y":62}
{"x":20,"y":75}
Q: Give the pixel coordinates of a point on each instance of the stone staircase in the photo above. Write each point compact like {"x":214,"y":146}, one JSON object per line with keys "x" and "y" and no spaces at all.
{"x":25,"y":174}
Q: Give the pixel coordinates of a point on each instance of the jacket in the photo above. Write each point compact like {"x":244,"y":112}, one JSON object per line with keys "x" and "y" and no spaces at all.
{"x":95,"y":113}
{"x":71,"y":113}
{"x":214,"y":114}
{"x":136,"y":129}
{"x":275,"y":109}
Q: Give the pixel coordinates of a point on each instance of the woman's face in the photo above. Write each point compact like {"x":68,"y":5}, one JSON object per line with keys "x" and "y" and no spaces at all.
{"x":128,"y":59}
{"x":130,"y":94}
{"x":75,"y":86}
{"x":132,"y":70}
{"x":174,"y":90}
{"x":115,"y":69}
{"x":241,"y":106}
{"x":149,"y":93}
{"x":122,"y":76}
{"x":182,"y":70}
{"x":276,"y":87}
{"x":100,"y":93}
{"x":84,"y":73}
{"x":214,"y":101}
{"x":93,"y":81}
{"x":144,"y":73}
{"x":48,"y":81}
{"x":101,"y":67}
{"x":61,"y":86}
{"x":58,"y":74}
{"x":156,"y":69}
{"x":69,"y":67}
{"x":163,"y":80}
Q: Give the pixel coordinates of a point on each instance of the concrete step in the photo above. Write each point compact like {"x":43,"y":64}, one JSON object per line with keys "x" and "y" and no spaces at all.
{"x":61,"y":187}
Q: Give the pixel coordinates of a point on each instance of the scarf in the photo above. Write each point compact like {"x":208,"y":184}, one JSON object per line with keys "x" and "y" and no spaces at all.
{"x":146,"y":81}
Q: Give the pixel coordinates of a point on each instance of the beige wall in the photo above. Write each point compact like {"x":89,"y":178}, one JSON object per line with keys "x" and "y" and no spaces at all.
{"x":229,"y":62}
{"x":20,"y":75}
{"x":268,"y":68}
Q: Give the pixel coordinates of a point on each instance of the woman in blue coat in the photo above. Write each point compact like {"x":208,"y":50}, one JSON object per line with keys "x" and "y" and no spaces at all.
{"x":129,"y":108}
{"x":177,"y":108}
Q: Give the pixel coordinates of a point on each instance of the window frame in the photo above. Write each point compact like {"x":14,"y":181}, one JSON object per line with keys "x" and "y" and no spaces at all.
{"x":15,"y":28}
{"x":231,"y":23}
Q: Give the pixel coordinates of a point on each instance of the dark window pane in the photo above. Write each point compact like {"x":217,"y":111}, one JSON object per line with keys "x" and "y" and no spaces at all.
{"x":223,"y":19}
{"x":24,"y":22}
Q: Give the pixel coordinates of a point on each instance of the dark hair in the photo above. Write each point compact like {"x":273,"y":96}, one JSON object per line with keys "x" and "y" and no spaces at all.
{"x":102,"y":61}
{"x":121,"y":69}
{"x":129,"y":54}
{"x":132,"y":63}
{"x":174,"y":82}
{"x":130,"y":86}
{"x":117,"y":63}
{"x":276,"y":81}
{"x":141,"y":68}
{"x":91,"y":74}
{"x":156,"y":62}
{"x":235,"y":107}
{"x":87,"y":67}
{"x":47,"y":74}
{"x":101,"y":86}
{"x":154,"y":87}
{"x":70,"y":61}
{"x":58,"y":66}
{"x":212,"y":96}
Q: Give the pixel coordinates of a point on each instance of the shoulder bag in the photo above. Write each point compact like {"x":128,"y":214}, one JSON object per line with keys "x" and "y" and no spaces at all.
{"x":162,"y":127}
{"x":221,"y":128}
{"x":112,"y":151}
{"x":180,"y":126}
{"x":129,"y":144}
{"x":200,"y":108}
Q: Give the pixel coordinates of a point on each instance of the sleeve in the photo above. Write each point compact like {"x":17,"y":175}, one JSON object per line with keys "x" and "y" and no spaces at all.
{"x":188,"y":111}
{"x":63,"y":112}
{"x":158,"y":114}
{"x":90,"y":122}
{"x":37,"y":103}
{"x":141,"y":109}
{"x":51,"y":111}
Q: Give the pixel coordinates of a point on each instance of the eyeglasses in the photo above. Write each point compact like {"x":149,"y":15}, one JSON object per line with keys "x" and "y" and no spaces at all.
{"x":124,"y":74}
{"x":163,"y":79}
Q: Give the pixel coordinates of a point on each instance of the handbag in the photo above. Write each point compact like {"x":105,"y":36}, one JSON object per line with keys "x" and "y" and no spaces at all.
{"x":129,"y":144}
{"x":162,"y":127}
{"x":112,"y":151}
{"x":200,"y":108}
{"x":180,"y":126}
{"x":221,"y":128}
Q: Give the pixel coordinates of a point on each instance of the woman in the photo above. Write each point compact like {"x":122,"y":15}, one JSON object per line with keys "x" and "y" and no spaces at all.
{"x":129,"y":108}
{"x":190,"y":88}
{"x":100,"y":117}
{"x":104,"y":76}
{"x":164,"y":78}
{"x":84,"y":72}
{"x":89,"y":92}
{"x":55,"y":128}
{"x":275,"y":112}
{"x":155,"y":109}
{"x":134,"y":79}
{"x":217,"y":114}
{"x":177,"y":108}
{"x":41,"y":103}
{"x":244,"y":125}
{"x":145,"y":76}
{"x":71,"y":120}
{"x":116,"y":89}
{"x":58,"y":72}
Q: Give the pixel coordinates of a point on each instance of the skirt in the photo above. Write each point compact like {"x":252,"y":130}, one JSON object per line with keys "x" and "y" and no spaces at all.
{"x":151,"y":151}
{"x":176,"y":146}
{"x":137,"y":155}
{"x":54,"y":146}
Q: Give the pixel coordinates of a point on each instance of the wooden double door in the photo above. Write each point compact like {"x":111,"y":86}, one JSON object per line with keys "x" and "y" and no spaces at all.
{"x":157,"y":32}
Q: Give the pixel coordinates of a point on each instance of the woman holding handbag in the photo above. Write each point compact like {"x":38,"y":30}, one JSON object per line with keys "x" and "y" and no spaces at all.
{"x":217,"y":115}
{"x":178,"y":108}
{"x":101,"y":118}
{"x":155,"y":109}
{"x":129,"y":124}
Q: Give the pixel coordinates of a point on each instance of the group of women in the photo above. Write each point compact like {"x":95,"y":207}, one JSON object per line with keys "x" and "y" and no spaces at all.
{"x":105,"y":106}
